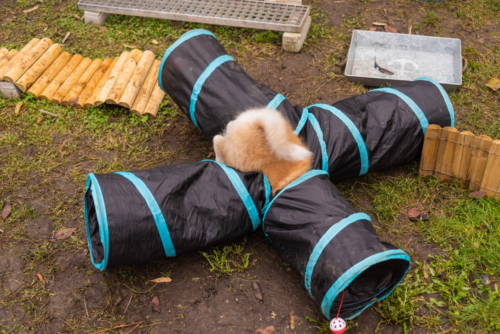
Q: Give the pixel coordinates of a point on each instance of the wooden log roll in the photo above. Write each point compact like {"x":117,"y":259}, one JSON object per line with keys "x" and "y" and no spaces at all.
{"x":52,"y":88}
{"x":478,"y":161}
{"x":461,"y":159}
{"x":29,"y":59}
{"x":110,"y":81}
{"x":92,"y":84}
{"x":429,"y":151}
{"x":71,"y":81}
{"x":123,"y":79}
{"x":444,"y":159}
{"x":136,"y":81}
{"x":154,"y":102}
{"x":38,"y":68}
{"x":46,"y":78}
{"x":73,"y":95}
{"x":491,"y":178}
{"x":5,"y":59}
{"x":18,"y":56}
{"x":90,"y":102}
{"x":147,"y":88}
{"x":3,"y":52}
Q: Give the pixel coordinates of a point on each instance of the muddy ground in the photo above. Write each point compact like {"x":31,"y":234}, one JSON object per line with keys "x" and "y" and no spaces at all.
{"x":72,"y":296}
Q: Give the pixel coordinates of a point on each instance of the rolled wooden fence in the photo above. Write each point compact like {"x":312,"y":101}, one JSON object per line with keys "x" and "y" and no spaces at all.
{"x":42,"y":69}
{"x":474,"y":160}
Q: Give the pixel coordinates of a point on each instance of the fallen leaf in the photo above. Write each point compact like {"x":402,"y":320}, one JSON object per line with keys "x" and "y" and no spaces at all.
{"x":210,"y":155}
{"x":426,"y":275}
{"x":66,"y":37}
{"x":292,"y":321}
{"x":6,"y":210}
{"x":493,"y":83}
{"x":31,"y":285}
{"x":415,"y":214}
{"x":40,"y":277}
{"x":162,"y":280}
{"x":388,"y":28}
{"x":101,"y":28}
{"x":76,"y":16}
{"x":31,"y":10}
{"x":477,"y":194}
{"x":156,"y":304}
{"x":257,"y":292}
{"x":18,"y":107}
{"x":64,"y":233}
{"x":39,"y":120}
{"x":129,"y":46}
{"x":154,"y":41}
{"x":481,"y":40}
{"x":379,"y":24}
{"x":44,"y":30}
{"x":267,"y":330}
{"x":373,"y":29}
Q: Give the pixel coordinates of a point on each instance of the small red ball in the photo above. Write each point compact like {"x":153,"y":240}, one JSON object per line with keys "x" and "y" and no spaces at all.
{"x":338,"y":325}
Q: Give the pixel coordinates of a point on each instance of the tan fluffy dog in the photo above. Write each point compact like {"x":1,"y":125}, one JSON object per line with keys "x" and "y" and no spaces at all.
{"x":262,"y":140}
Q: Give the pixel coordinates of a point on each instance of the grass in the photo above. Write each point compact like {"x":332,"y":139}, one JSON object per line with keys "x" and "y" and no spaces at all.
{"x":228,"y":260}
{"x":43,"y":165}
{"x":467,"y":230}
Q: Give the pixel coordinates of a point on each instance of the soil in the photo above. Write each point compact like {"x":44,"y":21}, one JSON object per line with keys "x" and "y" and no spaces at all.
{"x":196,"y":301}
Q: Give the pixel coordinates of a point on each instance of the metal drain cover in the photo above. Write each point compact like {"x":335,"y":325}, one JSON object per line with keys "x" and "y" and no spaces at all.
{"x":236,"y":13}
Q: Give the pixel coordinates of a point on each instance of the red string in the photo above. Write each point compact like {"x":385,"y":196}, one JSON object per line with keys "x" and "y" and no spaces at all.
{"x":340,"y":303}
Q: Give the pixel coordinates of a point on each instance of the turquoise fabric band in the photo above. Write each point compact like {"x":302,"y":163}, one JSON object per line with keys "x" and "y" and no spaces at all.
{"x":445,"y":97}
{"x":182,"y":39}
{"x":363,"y":153}
{"x":343,"y":281}
{"x":161,"y":224}
{"x":102,"y":220}
{"x":324,"y":155}
{"x":416,"y":109}
{"x":275,"y":103}
{"x":243,"y":192}
{"x":201,"y":80}
{"x":324,"y":241}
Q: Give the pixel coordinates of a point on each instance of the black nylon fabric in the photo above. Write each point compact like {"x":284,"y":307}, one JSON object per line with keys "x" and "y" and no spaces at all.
{"x":390,"y":129}
{"x":198,"y":201}
{"x":219,"y":103}
{"x":201,"y":208}
{"x":301,"y":215}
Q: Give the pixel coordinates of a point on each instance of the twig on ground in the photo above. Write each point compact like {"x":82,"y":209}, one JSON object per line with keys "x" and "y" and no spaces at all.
{"x":48,"y":113}
{"x":130,"y":331}
{"x":85,"y":303}
{"x":116,"y":327}
{"x":127,"y":305}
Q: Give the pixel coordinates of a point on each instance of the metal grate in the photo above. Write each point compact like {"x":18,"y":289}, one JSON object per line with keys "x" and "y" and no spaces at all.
{"x":237,"y":13}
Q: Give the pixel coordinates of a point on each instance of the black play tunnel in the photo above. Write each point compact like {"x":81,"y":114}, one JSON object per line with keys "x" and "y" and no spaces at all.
{"x":136,"y":217}
{"x":147,"y":215}
{"x":369,"y":132}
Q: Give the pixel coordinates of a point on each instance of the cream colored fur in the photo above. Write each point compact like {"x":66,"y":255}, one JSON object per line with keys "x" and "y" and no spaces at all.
{"x":262,"y":140}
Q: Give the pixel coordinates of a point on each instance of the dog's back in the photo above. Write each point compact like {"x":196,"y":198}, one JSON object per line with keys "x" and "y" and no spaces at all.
{"x":262,"y":140}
